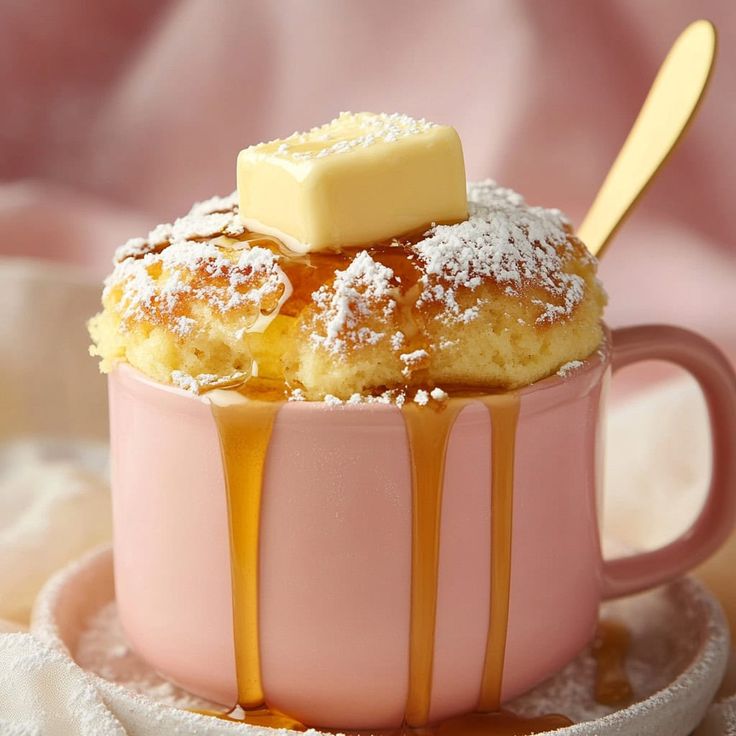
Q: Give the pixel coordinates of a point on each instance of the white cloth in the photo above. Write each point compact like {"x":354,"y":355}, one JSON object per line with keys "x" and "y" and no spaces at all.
{"x":53,"y":420}
{"x":43,"y":693}
{"x":46,"y":488}
{"x":54,"y":500}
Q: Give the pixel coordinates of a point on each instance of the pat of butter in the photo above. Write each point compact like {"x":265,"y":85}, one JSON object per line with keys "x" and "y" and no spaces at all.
{"x":359,"y":179}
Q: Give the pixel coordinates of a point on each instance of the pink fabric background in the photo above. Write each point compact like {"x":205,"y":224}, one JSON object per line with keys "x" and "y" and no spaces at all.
{"x":116,"y":116}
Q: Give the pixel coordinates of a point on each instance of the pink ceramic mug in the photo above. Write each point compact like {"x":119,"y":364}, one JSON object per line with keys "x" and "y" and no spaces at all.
{"x":336,"y":533}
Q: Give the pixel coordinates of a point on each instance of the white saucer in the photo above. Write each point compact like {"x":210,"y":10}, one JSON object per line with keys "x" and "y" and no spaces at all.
{"x":679,"y":652}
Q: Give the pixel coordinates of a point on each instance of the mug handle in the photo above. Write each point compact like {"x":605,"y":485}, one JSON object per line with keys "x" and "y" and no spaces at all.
{"x":717,"y":380}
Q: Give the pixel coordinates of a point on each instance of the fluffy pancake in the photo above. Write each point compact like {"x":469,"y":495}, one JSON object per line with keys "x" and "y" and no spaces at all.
{"x":498,"y":301}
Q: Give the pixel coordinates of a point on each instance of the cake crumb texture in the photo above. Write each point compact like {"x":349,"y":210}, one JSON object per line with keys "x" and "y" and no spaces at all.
{"x":499,"y":300}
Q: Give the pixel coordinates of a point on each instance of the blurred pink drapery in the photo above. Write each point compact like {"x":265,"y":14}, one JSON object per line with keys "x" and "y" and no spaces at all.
{"x":116,"y":116}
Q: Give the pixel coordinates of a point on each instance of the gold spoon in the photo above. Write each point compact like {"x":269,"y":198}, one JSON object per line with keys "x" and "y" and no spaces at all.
{"x":668,"y":109}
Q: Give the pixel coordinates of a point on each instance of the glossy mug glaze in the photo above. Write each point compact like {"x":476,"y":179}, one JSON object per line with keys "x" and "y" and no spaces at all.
{"x":335,"y":553}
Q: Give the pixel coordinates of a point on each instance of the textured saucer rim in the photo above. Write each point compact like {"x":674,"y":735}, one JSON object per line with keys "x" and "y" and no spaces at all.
{"x":705,"y":671}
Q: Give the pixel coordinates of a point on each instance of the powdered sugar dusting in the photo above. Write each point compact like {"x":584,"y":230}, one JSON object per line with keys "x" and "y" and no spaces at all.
{"x":390,"y":397}
{"x":504,"y":241}
{"x":196,"y":226}
{"x":413,"y":361}
{"x":361,"y":293}
{"x":206,"y":262}
{"x":421,"y":397}
{"x":215,"y":216}
{"x":216,"y":204}
{"x":363,"y":130}
{"x":161,"y":288}
{"x":104,"y":650}
{"x":569,"y":367}
{"x":397,"y":340}
{"x":205,"y":381}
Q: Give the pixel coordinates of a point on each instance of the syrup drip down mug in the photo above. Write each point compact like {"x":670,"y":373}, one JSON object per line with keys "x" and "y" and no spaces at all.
{"x":335,"y":539}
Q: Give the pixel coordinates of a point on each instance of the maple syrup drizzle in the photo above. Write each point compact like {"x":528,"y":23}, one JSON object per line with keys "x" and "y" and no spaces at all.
{"x":610,"y":648}
{"x":262,"y":716}
{"x":504,"y":413}
{"x":244,"y":429}
{"x":429,"y":453}
{"x":490,"y":718}
{"x":428,"y":433}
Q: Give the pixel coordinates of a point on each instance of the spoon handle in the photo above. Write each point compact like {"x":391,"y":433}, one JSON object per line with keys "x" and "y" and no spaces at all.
{"x":668,"y":109}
